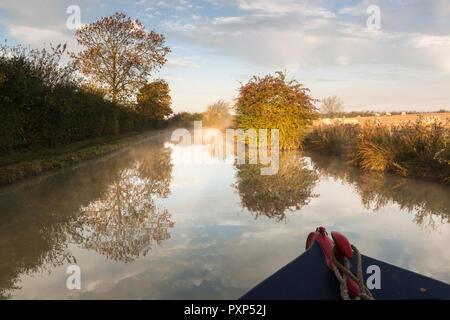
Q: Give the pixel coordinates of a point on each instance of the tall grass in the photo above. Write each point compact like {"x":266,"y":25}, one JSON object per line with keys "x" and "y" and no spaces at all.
{"x":410,"y":149}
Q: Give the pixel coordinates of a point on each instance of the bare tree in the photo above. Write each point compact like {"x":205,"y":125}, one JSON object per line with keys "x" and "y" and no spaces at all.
{"x":332,"y":106}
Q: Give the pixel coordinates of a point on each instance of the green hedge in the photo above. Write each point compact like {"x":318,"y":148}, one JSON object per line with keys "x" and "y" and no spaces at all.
{"x":41,"y":105}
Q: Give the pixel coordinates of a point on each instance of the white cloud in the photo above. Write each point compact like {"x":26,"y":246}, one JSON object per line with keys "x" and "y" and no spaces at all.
{"x":353,"y":11}
{"x":37,"y":37}
{"x":284,"y":7}
{"x":226,"y":20}
{"x":283,"y":33}
{"x":181,"y":63}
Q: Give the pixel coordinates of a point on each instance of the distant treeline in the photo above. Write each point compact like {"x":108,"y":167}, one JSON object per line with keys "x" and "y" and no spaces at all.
{"x":43,"y":105}
{"x":353,"y":114}
{"x":184,"y":119}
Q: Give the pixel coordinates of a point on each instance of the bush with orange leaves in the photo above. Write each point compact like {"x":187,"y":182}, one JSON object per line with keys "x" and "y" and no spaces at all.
{"x":273,"y":102}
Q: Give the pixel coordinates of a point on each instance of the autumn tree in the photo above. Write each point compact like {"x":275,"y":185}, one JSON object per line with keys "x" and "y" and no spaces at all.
{"x":273,"y":102}
{"x":332,"y":106}
{"x":154,"y":100}
{"x":119,"y":55}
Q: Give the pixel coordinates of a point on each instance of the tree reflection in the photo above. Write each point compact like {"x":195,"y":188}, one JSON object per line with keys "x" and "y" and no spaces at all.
{"x":40,"y":220}
{"x":427,"y":200}
{"x":125,"y":222}
{"x":273,"y":195}
{"x":51,"y":252}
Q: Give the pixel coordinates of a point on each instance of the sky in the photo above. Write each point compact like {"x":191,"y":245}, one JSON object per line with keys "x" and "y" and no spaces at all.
{"x":398,"y":59}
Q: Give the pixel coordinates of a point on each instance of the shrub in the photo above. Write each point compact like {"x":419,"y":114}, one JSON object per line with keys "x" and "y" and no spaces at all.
{"x":273,"y":102}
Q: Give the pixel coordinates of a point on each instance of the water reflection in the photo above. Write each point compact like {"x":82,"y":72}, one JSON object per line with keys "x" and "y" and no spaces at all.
{"x":430,"y":202}
{"x":34,"y":234}
{"x":106,"y":215}
{"x":108,"y":206}
{"x":289,"y":189}
{"x":125,"y":222}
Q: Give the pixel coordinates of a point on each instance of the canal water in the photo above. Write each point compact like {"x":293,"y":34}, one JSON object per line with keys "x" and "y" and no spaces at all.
{"x":144,"y":223}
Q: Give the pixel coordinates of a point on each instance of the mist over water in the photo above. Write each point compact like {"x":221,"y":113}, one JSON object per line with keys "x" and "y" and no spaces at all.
{"x":143,"y":224}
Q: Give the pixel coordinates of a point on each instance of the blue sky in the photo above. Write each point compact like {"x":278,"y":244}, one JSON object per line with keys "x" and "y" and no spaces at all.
{"x":324,"y":44}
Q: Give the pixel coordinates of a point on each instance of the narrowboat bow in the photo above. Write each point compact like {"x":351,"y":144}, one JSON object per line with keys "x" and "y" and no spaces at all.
{"x":314,"y":276}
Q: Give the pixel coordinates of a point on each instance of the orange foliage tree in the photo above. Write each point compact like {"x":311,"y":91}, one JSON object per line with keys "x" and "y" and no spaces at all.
{"x":119,"y":55}
{"x":154,"y":100}
{"x":272,"y":102}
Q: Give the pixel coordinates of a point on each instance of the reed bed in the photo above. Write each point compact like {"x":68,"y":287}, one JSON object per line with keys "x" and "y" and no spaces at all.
{"x":413,"y":149}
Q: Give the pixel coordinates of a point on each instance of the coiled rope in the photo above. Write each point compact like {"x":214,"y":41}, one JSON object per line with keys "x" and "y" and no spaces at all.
{"x":342,"y":272}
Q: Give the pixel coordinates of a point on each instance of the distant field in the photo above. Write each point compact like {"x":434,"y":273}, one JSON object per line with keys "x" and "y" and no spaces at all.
{"x":397,"y":119}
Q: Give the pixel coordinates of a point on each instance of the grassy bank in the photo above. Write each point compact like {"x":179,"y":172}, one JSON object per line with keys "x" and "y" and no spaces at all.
{"x":16,"y":166}
{"x":411,"y":149}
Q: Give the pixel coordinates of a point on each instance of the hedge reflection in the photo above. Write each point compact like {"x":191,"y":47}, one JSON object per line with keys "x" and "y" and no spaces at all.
{"x":430,"y":202}
{"x":274,"y":195}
